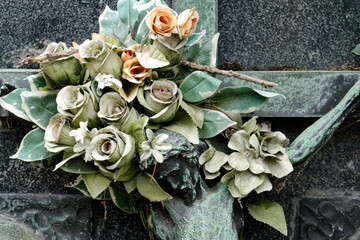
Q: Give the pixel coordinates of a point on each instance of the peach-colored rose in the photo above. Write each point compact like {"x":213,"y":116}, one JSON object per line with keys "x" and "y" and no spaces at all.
{"x":186,"y":22}
{"x":134,"y":72}
{"x":161,"y":21}
{"x":127,"y":54}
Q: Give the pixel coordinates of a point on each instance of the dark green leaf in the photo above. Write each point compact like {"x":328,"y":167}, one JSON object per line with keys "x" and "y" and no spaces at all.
{"x":214,"y":123}
{"x":124,"y":202}
{"x":241,"y":99}
{"x":199,"y":86}
{"x":149,"y":188}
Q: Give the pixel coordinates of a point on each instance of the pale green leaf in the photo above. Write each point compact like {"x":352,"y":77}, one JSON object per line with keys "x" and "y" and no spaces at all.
{"x":40,"y":106}
{"x":207,"y":155}
{"x":238,"y":161}
{"x":80,"y":185}
{"x":32,"y":147}
{"x":195,"y":112}
{"x":228,"y":176}
{"x":270,"y":213}
{"x":199,"y":86}
{"x":110,"y":24}
{"x":214,"y":123}
{"x":250,"y":126}
{"x":138,"y":132}
{"x":211,"y":176}
{"x":13,"y":103}
{"x":150,"y":189}
{"x":234,"y":191}
{"x":356,"y":50}
{"x":241,"y":99}
{"x":124,"y":202}
{"x":127,"y":11}
{"x":95,"y":183}
{"x":195,"y":38}
{"x":184,"y":125}
{"x":151,"y":57}
{"x":216,"y":162}
{"x":130,"y":185}
{"x":246,"y":181}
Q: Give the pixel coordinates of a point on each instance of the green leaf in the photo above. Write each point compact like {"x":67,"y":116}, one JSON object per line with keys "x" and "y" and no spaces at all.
{"x":124,"y":202}
{"x":127,"y":175}
{"x":199,"y":86}
{"x":32,"y":147}
{"x":195,"y":38}
{"x":13,"y":103}
{"x":184,"y":125}
{"x":356,"y":50}
{"x":80,"y":185}
{"x":127,"y":12}
{"x":214,"y":123}
{"x":40,"y":106}
{"x":110,"y":24}
{"x":150,"y":189}
{"x":216,"y":162}
{"x":36,"y":82}
{"x":270,"y":213}
{"x":195,"y":112}
{"x":78,"y":165}
{"x":241,"y":99}
{"x":130,"y":185}
{"x":151,"y":57}
{"x":95,"y":183}
{"x":246,"y":181}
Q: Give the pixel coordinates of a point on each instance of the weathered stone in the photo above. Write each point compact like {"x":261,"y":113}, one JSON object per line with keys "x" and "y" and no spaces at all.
{"x":305,"y":33}
{"x":45,"y":216}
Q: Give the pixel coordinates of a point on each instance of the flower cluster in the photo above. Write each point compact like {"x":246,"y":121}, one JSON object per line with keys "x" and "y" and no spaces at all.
{"x":102,"y":102}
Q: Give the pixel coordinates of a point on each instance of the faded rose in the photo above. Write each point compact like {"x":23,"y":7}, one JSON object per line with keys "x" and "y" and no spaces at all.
{"x":186,"y":22}
{"x":57,"y":134}
{"x":161,"y":21}
{"x":161,"y":101}
{"x":134,"y":72}
{"x":127,"y":54}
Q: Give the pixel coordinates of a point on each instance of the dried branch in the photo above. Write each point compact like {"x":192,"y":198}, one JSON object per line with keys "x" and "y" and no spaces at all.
{"x":227,"y":73}
{"x":49,"y":56}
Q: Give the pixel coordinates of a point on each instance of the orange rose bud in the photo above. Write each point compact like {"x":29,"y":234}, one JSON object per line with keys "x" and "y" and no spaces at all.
{"x":134,"y":72}
{"x":186,"y":23}
{"x":161,"y":21}
{"x":127,"y":55}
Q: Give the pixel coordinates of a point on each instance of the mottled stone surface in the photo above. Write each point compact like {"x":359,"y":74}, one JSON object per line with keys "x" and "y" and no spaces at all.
{"x":306,"y":33}
{"x":26,"y":27}
{"x":45,"y":216}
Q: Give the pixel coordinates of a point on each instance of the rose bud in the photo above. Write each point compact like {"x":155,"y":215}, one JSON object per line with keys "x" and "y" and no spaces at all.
{"x":100,"y":57}
{"x":186,"y":22}
{"x":127,"y":54}
{"x":114,"y":111}
{"x":161,"y":101}
{"x":62,"y":71}
{"x":111,"y":149}
{"x":78,"y":102}
{"x":161,"y":21}
{"x":57,"y":136}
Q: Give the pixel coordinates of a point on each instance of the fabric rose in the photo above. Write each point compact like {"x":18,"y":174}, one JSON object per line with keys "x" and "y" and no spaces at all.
{"x":62,"y":71}
{"x":111,"y":149}
{"x":161,"y":101}
{"x":161,"y":21}
{"x":134,"y":72}
{"x":78,"y":103}
{"x":127,"y":54}
{"x":114,"y":111}
{"x":57,"y":136}
{"x":186,"y":22}
{"x":100,"y":57}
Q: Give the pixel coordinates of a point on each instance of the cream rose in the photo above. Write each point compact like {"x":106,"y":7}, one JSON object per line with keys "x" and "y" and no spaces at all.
{"x":161,"y":21}
{"x":186,"y":22}
{"x":57,"y":134}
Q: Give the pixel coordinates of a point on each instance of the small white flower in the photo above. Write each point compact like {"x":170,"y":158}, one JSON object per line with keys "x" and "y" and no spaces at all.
{"x":154,"y":145}
{"x":80,"y":133}
{"x":107,"y":80}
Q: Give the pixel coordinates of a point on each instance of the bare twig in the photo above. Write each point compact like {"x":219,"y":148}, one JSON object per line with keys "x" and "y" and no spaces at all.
{"x":49,"y":56}
{"x":227,"y":73}
{"x":105,"y":209}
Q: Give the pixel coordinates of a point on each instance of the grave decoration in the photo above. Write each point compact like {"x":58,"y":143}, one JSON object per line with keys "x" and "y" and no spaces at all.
{"x":137,"y":117}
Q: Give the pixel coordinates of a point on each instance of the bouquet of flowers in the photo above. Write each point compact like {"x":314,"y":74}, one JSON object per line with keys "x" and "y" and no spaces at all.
{"x":109,"y":104}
